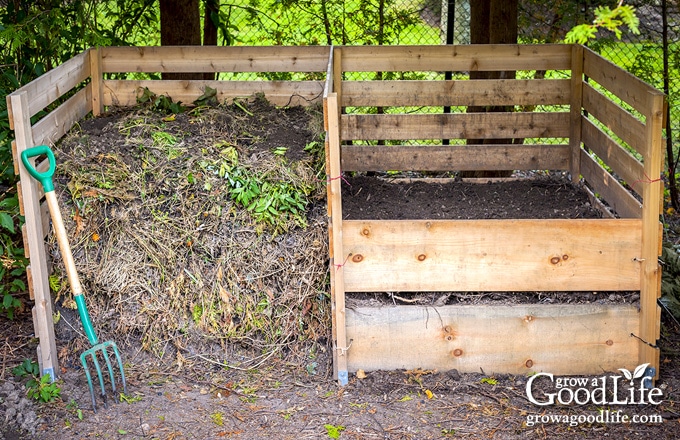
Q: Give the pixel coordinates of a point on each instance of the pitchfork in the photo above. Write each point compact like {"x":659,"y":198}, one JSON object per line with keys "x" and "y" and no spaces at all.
{"x":97,"y":350}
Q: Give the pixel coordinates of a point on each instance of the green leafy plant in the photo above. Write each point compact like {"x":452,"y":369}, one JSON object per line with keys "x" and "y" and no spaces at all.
{"x":160,"y":103}
{"x":333,"y":431}
{"x":12,"y":275}
{"x":607,"y":18}
{"x":489,"y":380}
{"x":39,"y":388}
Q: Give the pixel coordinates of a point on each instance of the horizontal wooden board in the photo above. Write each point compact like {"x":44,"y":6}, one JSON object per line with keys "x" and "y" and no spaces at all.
{"x":456,"y":93}
{"x":215,"y":59}
{"x":491,"y":255}
{"x":57,"y":123}
{"x":609,"y":189}
{"x":626,"y":86}
{"x":614,"y":155}
{"x":454,"y":157}
{"x":452,"y":58}
{"x":49,"y":87}
{"x":282,"y":93}
{"x":622,"y":123}
{"x":455,"y":126}
{"x":569,"y":339}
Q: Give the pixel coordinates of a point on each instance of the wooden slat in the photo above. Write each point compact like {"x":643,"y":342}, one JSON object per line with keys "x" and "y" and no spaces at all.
{"x":456,"y":93}
{"x":47,"y":88}
{"x":282,"y":93}
{"x":458,"y":157}
{"x":609,"y":189}
{"x":570,"y":339}
{"x":215,"y":59}
{"x":455,"y":126}
{"x":57,"y":123}
{"x":616,"y":157}
{"x":34,"y":232}
{"x":625,"y":125}
{"x":464,"y":58}
{"x":491,"y":255}
{"x":623,"y":84}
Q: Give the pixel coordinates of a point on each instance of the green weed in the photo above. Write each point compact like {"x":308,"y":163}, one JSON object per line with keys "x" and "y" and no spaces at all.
{"x":333,"y":431}
{"x":38,"y":388}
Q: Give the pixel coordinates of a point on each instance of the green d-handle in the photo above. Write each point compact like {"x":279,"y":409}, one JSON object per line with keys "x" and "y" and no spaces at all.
{"x":45,"y":178}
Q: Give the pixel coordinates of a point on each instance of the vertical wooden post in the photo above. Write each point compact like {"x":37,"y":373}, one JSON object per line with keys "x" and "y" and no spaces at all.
{"x":650,"y":288}
{"x":96,"y":81}
{"x":575,"y":104}
{"x":42,"y":311}
{"x":337,"y":78}
{"x":340,"y":346}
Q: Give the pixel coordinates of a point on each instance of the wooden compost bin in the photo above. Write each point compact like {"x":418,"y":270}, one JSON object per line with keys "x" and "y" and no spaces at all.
{"x":83,"y":78}
{"x":616,"y":253}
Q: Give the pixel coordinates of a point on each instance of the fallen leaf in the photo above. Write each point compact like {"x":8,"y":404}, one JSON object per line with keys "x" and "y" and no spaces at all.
{"x":79,"y":222}
{"x":361,"y":374}
{"x":429,"y":394}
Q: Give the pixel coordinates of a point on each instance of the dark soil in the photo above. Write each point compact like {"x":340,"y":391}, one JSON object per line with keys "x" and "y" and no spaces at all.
{"x":370,"y":198}
{"x":291,"y":394}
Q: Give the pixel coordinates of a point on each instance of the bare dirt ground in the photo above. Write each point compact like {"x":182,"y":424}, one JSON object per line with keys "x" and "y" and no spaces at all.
{"x":186,"y":379}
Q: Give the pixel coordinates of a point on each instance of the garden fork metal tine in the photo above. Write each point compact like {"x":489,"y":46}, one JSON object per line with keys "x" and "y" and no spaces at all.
{"x":109,"y":366}
{"x":93,"y":352}
{"x":83,"y":360}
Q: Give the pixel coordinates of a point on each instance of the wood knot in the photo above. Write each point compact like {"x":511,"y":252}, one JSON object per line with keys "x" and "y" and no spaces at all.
{"x":565,"y":257}
{"x":447,"y":329}
{"x":555,"y":260}
{"x":609,"y":342}
{"x":449,"y":338}
{"x":529,"y":363}
{"x":422,"y":257}
{"x":365,"y":232}
{"x":528,"y":318}
{"x":357,"y":258}
{"x":457,"y":352}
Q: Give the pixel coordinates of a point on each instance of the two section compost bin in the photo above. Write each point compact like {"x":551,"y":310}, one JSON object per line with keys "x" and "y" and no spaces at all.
{"x":585,"y":136}
{"x":596,"y":122}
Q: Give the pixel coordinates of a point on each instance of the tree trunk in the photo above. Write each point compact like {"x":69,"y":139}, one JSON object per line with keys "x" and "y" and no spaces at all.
{"x":492,"y":22}
{"x":210,"y":21}
{"x":180,"y":26}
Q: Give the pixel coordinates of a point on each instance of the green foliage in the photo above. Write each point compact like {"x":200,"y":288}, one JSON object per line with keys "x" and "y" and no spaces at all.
{"x":160,"y":103}
{"x":333,"y":431}
{"x":39,"y":388}
{"x":26,"y":368}
{"x":606,"y":18}
{"x":274,"y":201}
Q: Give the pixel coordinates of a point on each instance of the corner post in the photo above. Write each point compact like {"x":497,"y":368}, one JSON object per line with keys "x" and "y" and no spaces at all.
{"x":96,"y":81}
{"x":340,"y":347}
{"x":42,"y":311}
{"x":650,"y":273}
{"x":575,"y":112}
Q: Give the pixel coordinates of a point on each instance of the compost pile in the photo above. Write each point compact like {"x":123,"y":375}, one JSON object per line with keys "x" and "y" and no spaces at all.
{"x":197,"y":234}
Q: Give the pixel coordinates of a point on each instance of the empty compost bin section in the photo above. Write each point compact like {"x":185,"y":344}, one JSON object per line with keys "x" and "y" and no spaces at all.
{"x":390,"y":109}
{"x":86,"y":84}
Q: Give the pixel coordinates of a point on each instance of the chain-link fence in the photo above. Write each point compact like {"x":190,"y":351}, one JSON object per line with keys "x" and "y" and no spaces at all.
{"x":653,"y":55}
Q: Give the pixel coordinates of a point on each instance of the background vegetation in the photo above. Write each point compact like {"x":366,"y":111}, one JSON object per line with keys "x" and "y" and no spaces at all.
{"x":36,"y":36}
